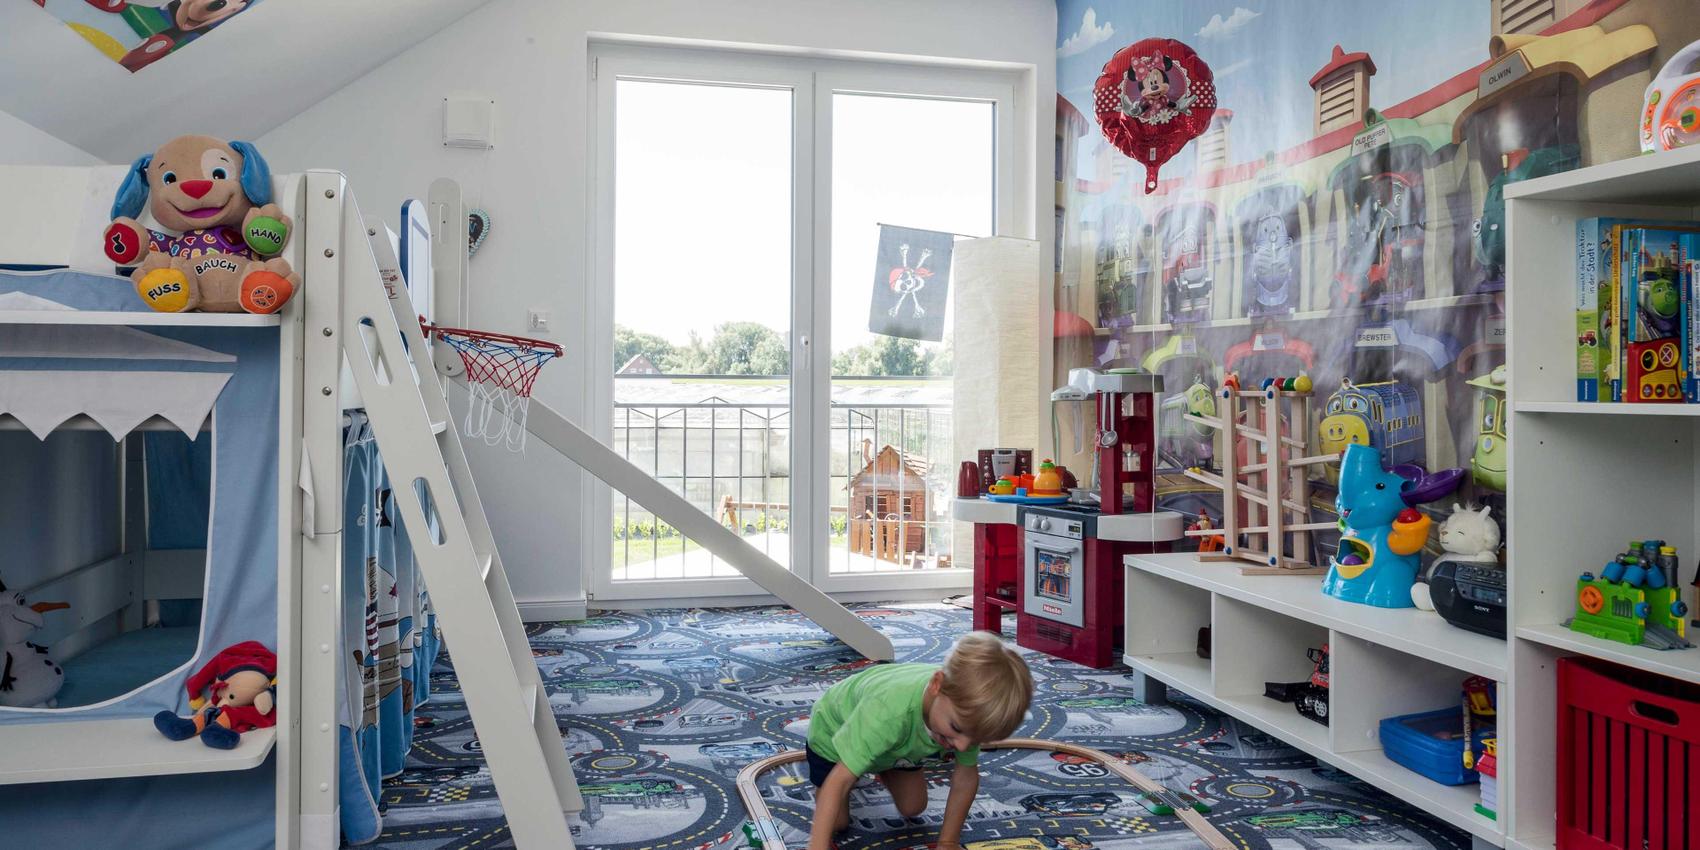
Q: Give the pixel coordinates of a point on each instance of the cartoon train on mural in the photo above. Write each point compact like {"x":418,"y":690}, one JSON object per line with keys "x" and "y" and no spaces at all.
{"x":1382,"y":253}
{"x":1185,"y":236}
{"x":1386,"y":416}
{"x":1182,"y":444}
{"x":1120,"y":284}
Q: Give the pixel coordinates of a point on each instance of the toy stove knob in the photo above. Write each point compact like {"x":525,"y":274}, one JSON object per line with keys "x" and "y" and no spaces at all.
{"x":1044,"y":525}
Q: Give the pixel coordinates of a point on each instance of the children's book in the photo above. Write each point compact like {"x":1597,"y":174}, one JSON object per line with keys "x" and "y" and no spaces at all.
{"x":1691,"y":319}
{"x":1652,"y":307}
{"x":1591,"y":285}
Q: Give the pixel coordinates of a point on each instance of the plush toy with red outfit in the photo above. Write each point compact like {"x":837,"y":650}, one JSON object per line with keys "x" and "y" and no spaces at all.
{"x":234,"y":692}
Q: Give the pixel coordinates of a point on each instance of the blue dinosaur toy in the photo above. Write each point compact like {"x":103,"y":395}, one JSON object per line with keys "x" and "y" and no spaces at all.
{"x":1381,"y":532}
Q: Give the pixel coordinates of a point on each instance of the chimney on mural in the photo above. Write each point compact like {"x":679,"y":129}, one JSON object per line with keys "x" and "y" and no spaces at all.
{"x":1342,"y":90}
{"x":1531,"y":17}
{"x":1213,"y":150}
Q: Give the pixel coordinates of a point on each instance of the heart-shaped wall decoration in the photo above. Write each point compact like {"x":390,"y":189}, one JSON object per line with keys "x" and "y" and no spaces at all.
{"x":477,"y":230}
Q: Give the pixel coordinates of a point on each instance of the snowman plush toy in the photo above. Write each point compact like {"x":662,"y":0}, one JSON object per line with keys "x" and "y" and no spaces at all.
{"x":29,"y":677}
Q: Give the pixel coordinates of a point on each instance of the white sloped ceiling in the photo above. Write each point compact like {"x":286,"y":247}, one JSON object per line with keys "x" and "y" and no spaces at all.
{"x":243,"y":78}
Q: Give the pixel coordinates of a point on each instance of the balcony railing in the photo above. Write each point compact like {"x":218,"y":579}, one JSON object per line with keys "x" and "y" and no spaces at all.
{"x":725,"y":442}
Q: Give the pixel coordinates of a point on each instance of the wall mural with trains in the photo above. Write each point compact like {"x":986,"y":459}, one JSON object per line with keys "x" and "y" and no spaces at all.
{"x":1340,"y":213}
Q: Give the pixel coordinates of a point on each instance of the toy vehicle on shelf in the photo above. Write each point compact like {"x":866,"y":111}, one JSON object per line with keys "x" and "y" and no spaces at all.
{"x":1310,"y":697}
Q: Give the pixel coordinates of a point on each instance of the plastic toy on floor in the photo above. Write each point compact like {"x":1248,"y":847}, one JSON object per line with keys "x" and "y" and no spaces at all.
{"x":1636,"y":599}
{"x":233,"y":693}
{"x":216,"y":197}
{"x":1381,"y":530}
{"x":29,"y":677}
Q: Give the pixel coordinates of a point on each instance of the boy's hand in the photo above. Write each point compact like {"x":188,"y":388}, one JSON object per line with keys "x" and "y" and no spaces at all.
{"x":947,"y":845}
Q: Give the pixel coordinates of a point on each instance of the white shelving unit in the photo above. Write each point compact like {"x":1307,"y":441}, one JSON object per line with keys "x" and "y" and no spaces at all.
{"x":1383,"y":663}
{"x":1584,"y":478}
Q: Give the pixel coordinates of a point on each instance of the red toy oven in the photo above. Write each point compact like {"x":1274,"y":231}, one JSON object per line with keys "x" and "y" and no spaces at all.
{"x":1070,"y":584}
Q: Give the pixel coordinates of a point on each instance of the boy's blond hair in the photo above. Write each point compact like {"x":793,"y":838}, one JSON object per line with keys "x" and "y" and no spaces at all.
{"x":989,"y":685}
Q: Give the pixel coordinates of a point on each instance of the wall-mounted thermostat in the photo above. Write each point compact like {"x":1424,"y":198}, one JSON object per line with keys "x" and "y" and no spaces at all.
{"x":469,"y":122}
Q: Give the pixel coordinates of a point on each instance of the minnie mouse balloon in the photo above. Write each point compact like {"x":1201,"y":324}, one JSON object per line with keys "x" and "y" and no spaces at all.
{"x":1153,"y":97}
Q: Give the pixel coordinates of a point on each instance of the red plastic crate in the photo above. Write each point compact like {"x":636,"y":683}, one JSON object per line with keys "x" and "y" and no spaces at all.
{"x":1628,"y":759}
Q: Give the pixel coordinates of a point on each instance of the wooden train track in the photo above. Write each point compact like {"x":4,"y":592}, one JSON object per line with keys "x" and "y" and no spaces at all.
{"x":766,"y":835}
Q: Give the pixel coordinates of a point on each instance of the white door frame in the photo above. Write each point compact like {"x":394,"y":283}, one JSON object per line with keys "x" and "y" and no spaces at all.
{"x":609,"y":64}
{"x":812,"y":81}
{"x":995,"y":87}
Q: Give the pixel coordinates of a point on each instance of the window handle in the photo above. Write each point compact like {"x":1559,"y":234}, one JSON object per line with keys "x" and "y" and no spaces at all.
{"x":804,"y":344}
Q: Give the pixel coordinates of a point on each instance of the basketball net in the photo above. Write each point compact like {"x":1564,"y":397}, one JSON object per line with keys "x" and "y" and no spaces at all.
{"x":500,"y":371}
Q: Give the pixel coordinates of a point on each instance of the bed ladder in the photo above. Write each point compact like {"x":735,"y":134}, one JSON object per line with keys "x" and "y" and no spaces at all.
{"x":410,"y":418}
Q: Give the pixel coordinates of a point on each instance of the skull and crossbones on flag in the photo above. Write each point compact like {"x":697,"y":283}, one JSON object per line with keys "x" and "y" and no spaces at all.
{"x":911,"y":283}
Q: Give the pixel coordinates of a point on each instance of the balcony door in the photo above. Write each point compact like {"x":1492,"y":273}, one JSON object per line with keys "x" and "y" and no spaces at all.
{"x":739,"y":200}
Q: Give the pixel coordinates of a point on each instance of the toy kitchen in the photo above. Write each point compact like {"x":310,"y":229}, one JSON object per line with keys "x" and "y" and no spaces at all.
{"x":1049,"y":550}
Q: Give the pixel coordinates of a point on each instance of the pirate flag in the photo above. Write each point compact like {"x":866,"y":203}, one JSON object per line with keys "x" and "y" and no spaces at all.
{"x":911,"y":283}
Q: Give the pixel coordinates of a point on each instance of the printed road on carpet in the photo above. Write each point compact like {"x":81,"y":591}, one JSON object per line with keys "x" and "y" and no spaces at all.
{"x":662,"y":708}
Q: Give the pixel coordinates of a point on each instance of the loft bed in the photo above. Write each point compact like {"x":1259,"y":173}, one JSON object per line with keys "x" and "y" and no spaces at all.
{"x":154,"y":460}
{"x":165,"y":498}
{"x":282,"y":436}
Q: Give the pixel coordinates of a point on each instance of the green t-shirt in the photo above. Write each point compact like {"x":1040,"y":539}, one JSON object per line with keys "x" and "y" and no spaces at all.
{"x":872,"y":721}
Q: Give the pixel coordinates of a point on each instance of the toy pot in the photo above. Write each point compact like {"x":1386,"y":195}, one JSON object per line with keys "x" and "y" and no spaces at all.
{"x":968,"y":480}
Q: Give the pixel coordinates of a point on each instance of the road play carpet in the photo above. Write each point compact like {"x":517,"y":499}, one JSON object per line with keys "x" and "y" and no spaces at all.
{"x":662,"y":708}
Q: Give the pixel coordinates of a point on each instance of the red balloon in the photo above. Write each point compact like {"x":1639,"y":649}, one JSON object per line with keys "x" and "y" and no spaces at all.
{"x":1153,"y":97}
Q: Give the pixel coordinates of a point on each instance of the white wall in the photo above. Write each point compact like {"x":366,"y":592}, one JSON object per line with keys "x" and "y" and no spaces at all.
{"x":23,"y":144}
{"x":531,"y":57}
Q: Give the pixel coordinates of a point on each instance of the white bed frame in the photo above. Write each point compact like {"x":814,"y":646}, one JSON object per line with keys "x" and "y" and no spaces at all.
{"x":60,"y":228}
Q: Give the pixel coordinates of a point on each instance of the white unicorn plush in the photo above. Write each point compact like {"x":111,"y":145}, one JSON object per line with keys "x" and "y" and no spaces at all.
{"x":29,"y":677}
{"x":1466,"y":535}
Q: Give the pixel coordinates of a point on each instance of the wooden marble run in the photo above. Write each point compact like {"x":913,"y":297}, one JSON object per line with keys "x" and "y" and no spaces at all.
{"x":1264,"y":478}
{"x":763,"y":831}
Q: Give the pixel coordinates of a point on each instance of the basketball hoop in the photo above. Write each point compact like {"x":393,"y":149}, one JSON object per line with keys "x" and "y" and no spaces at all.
{"x":500,"y":371}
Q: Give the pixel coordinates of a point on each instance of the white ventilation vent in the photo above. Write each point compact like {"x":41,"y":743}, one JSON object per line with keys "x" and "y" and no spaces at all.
{"x":1525,"y":16}
{"x":1337,"y":103}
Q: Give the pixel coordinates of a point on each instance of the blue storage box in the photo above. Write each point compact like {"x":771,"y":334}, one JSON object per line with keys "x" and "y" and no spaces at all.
{"x":1432,"y":743}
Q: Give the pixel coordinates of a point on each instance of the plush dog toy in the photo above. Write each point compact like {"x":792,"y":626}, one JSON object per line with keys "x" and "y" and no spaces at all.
{"x":217,"y":196}
{"x":234,"y":692}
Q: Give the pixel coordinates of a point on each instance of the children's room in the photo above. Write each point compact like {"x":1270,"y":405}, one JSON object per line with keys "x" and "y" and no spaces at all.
{"x":850,"y":424}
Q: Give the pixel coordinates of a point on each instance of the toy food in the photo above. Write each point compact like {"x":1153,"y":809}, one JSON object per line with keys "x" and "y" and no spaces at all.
{"x":219,"y":256}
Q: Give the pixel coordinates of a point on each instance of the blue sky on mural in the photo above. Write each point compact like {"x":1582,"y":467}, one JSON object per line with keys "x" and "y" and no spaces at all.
{"x":1414,"y":46}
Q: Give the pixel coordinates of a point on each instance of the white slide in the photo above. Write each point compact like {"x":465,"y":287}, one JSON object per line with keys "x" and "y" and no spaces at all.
{"x":617,"y":472}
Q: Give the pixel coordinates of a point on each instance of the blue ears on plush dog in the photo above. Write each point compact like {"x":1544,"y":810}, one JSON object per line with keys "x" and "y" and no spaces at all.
{"x":256,"y":181}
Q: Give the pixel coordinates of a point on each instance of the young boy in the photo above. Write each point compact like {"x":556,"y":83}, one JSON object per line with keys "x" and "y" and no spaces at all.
{"x":887,"y":718}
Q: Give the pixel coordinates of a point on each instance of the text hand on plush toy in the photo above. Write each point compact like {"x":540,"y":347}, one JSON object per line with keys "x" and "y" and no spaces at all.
{"x":266,"y":229}
{"x":1410,"y":532}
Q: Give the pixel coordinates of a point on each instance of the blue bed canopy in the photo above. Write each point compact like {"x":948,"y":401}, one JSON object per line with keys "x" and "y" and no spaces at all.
{"x":119,"y":377}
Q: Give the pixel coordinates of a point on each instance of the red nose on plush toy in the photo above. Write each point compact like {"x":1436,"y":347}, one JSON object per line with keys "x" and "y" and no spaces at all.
{"x":197,"y":188}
